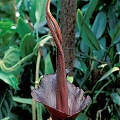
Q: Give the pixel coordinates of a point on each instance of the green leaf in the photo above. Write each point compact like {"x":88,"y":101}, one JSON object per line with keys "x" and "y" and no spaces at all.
{"x":58,"y":8}
{"x":113,"y":19}
{"x":23,"y":28}
{"x":27,"y":45}
{"x":117,"y":65}
{"x":99,"y":24}
{"x":82,"y":116}
{"x":79,"y":19}
{"x":6,"y":118}
{"x":91,"y":8}
{"x":5,"y":102}
{"x":10,"y":79}
{"x":85,"y":78}
{"x":32,"y":11}
{"x":116,"y":32}
{"x":83,"y":47}
{"x":102,"y":66}
{"x":112,"y":53}
{"x":79,"y":64}
{"x":11,"y":56}
{"x":116,"y":98}
{"x":84,"y":8}
{"x":103,"y":46}
{"x":23,"y":100}
{"x":115,"y":42}
{"x":48,"y":65}
{"x":87,"y":34}
{"x":38,"y":11}
{"x":5,"y":27}
{"x":70,"y":79}
{"x":117,"y":53}
{"x":114,"y":69}
{"x":90,"y":38}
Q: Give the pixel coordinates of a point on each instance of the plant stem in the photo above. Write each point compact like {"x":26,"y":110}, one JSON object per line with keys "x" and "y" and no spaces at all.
{"x":33,"y":109}
{"x":36,"y":85}
{"x":37,"y":37}
{"x":99,"y":111}
{"x":92,"y":58}
{"x":37,"y":69}
{"x":95,"y":97}
{"x":10,"y":69}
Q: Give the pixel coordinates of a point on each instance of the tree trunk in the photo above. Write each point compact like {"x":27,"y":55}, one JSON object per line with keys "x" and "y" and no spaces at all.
{"x":68,"y":21}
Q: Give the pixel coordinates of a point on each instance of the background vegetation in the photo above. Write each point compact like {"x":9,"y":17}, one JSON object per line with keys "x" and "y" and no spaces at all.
{"x":24,"y":31}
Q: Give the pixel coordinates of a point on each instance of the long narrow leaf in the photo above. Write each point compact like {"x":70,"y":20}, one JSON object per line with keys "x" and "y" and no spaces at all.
{"x":91,"y":8}
{"x":90,"y":38}
{"x":99,"y":24}
{"x":87,"y":34}
{"x":5,"y":102}
{"x":116,"y":98}
{"x":23,"y":100}
{"x":116,"y":32}
{"x":114,"y":69}
{"x":79,"y":18}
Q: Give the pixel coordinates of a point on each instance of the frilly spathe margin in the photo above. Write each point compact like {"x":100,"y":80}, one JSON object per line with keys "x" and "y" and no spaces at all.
{"x":47,"y":95}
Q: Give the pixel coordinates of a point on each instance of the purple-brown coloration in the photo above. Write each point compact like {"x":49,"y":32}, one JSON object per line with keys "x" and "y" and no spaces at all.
{"x":62,"y":90}
{"x":63,"y":100}
{"x":46,"y":94}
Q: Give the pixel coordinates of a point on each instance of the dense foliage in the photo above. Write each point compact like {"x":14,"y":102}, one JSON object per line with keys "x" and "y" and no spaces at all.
{"x":24,"y":32}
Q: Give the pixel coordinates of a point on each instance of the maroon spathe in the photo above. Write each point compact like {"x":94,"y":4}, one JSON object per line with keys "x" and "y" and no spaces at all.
{"x":47,"y":95}
{"x":63,"y":100}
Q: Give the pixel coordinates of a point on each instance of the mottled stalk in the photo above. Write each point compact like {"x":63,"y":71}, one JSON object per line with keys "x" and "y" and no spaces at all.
{"x":68,"y":25}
